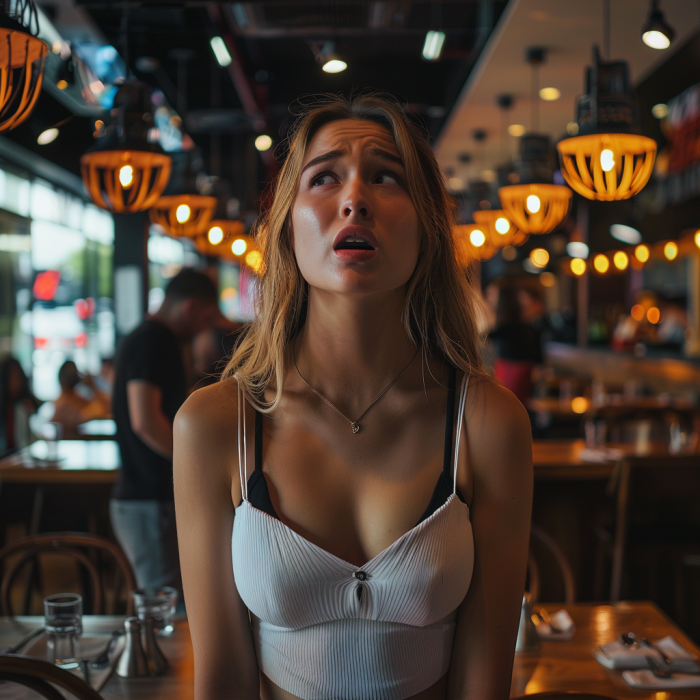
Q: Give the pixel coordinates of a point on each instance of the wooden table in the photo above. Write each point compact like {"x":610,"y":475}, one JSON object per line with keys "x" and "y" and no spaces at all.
{"x":80,"y":461}
{"x":558,"y":665}
{"x":571,"y":666}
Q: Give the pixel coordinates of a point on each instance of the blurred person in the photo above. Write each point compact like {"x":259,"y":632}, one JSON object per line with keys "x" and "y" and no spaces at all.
{"x":671,"y":329}
{"x":17,"y":403}
{"x":104,"y":381}
{"x":150,"y":385}
{"x":212,"y":349}
{"x":72,"y":408}
{"x":353,"y":498}
{"x":516,"y":346}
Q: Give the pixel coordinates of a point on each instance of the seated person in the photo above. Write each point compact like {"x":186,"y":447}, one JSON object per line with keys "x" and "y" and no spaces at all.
{"x":72,"y":409}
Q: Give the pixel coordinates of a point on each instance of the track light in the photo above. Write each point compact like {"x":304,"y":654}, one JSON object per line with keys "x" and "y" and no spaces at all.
{"x":657,"y":33}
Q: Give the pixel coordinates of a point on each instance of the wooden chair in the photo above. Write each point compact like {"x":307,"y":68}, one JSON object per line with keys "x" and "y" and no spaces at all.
{"x":76,"y":545}
{"x":563,"y":695}
{"x":539,"y":535}
{"x":38,"y":675}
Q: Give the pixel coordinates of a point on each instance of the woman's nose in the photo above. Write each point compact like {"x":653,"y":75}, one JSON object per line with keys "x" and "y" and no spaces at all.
{"x":355,"y":202}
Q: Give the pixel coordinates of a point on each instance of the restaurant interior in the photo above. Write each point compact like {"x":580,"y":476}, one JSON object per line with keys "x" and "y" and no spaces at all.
{"x":141,"y":138}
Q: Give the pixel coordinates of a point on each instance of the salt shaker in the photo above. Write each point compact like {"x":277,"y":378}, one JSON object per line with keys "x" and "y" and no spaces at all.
{"x":157,"y":663}
{"x":133,"y":662}
{"x":528,"y":641}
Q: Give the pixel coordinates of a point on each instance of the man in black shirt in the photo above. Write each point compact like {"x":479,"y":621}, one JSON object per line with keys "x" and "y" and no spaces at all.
{"x":150,"y":385}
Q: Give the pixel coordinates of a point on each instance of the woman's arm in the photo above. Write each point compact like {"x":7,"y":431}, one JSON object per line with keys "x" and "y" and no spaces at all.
{"x":498,"y":464}
{"x":206,"y":481}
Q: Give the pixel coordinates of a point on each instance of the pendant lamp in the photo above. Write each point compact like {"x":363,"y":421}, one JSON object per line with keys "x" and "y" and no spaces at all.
{"x":123,"y":172}
{"x":22,"y":57}
{"x":220,"y":237}
{"x":609,"y":159}
{"x":472,"y":243}
{"x":498,"y":227}
{"x":183,"y":211}
{"x":536,"y":205}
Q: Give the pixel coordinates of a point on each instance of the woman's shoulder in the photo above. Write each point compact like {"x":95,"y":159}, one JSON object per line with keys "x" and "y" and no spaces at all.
{"x":209,"y":417}
{"x":498,"y":427}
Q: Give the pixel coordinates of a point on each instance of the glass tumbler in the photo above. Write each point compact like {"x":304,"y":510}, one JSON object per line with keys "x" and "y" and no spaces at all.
{"x":63,"y":622}
{"x":158,"y":603}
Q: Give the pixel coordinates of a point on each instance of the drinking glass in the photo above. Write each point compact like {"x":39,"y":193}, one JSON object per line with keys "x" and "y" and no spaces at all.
{"x":63,"y":622}
{"x":158,"y":603}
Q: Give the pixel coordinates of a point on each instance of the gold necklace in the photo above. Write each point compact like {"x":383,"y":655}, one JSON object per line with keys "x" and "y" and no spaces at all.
{"x":354,"y":424}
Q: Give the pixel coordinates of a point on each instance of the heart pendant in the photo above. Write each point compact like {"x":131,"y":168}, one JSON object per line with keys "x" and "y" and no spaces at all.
{"x":355,"y":427}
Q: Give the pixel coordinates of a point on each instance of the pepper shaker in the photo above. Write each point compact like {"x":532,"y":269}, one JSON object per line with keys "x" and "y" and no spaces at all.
{"x":132,"y":662}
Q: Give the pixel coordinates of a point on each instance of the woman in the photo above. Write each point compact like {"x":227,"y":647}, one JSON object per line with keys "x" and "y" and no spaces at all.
{"x":350,"y":580}
{"x":17,"y":403}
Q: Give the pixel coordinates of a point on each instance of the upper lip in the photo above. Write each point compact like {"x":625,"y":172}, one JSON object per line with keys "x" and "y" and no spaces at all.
{"x":355,"y":232}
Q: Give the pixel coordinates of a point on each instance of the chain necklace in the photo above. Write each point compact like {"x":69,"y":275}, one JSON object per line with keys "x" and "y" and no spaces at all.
{"x":354,"y":424}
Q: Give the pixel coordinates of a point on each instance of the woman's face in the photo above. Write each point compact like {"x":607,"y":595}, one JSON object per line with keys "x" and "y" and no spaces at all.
{"x":355,"y":228}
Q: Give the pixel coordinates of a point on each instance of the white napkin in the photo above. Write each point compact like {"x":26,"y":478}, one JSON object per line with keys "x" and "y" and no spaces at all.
{"x":646,"y":680}
{"x":600,"y":454}
{"x":560,"y":627}
{"x":618,"y":656}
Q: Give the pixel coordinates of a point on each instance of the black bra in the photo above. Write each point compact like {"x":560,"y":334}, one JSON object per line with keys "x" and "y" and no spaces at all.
{"x":259,"y":494}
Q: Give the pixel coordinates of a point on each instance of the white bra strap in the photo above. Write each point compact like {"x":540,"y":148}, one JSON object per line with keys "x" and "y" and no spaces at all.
{"x":242,"y":446}
{"x":460,"y":420}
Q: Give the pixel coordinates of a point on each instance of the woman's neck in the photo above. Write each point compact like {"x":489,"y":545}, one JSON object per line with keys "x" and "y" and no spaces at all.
{"x":350,"y":348}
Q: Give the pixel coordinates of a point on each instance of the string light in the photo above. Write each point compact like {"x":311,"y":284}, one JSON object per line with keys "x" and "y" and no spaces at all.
{"x":539,"y":257}
{"x":642,"y":253}
{"x":621,"y":260}
{"x":670,"y":250}
{"x":578,"y":266}
{"x":637,"y":312}
{"x":601,"y":263}
{"x":215,"y":235}
{"x":653,"y":315}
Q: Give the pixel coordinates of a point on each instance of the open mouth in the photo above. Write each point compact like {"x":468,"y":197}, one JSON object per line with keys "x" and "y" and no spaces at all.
{"x":353,"y":243}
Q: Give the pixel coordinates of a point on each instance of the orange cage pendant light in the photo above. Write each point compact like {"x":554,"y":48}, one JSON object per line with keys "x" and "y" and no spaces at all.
{"x":22,"y":57}
{"x":219,"y":239}
{"x":123,"y":172}
{"x":183,"y":214}
{"x":536,"y":205}
{"x":609,"y":159}
{"x":501,"y":230}
{"x":472,"y":242}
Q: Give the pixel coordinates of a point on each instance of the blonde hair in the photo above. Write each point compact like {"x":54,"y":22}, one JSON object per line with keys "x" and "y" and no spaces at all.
{"x":442,"y":307}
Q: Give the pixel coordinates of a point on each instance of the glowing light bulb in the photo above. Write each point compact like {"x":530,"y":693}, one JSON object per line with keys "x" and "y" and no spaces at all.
{"x":653,"y":315}
{"x":578,"y":266}
{"x":620,"y":260}
{"x":239,"y":246}
{"x":656,"y":40}
{"x":126,"y":176}
{"x":254,"y":260}
{"x":263,"y":142}
{"x":601,"y":263}
{"x":637,"y":312}
{"x":216,"y":235}
{"x":502,"y":225}
{"x":516,"y":130}
{"x":670,"y":250}
{"x":697,"y":238}
{"x":182,"y":213}
{"x":47,"y":136}
{"x":335,"y":65}
{"x":607,"y":160}
{"x":533,"y":203}
{"x":579,"y":404}
{"x":477,"y":238}
{"x":62,"y":84}
{"x":539,"y":257}
{"x":641,"y":252}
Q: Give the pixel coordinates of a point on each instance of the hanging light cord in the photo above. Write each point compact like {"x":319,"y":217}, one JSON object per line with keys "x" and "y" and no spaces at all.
{"x":606,"y":28}
{"x":535,"y":101}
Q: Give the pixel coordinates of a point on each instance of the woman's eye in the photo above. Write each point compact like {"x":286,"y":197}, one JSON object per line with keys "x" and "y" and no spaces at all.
{"x":387,"y":179}
{"x":322,"y":179}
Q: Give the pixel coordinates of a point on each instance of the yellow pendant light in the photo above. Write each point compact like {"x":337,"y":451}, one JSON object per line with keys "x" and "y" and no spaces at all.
{"x":123,"y":172}
{"x":499,"y":228}
{"x":22,"y":57}
{"x":472,"y":243}
{"x":218,"y":238}
{"x":535,"y":205}
{"x":609,"y":159}
{"x":183,"y":214}
{"x":536,"y":208}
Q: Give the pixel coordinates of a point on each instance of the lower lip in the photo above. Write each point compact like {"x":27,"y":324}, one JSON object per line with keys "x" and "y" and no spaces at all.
{"x":354,"y":254}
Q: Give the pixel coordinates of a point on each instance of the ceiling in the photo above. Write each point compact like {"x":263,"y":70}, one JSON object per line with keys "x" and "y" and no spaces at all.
{"x":566,"y":29}
{"x":274,"y":44}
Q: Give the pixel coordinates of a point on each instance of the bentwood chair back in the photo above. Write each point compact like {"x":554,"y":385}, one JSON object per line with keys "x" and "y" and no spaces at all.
{"x":564,"y":695}
{"x":38,"y":675}
{"x":81,"y":547}
{"x":533,"y":570}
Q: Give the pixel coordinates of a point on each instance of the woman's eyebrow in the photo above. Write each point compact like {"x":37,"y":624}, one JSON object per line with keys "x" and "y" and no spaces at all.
{"x":331,"y":155}
{"x":381,"y":153}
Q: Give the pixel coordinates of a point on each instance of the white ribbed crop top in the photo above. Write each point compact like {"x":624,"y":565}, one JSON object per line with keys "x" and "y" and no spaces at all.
{"x":325,"y":629}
